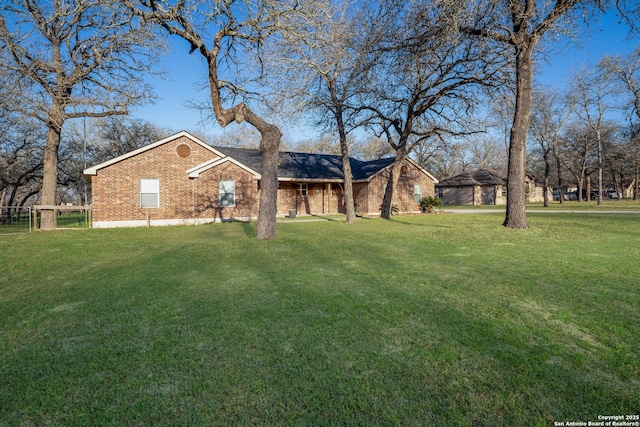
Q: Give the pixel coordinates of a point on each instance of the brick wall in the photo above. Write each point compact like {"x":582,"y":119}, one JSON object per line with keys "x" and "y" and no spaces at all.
{"x":370,"y":197}
{"x":321,"y":198}
{"x":206,"y":199}
{"x":116,"y":188}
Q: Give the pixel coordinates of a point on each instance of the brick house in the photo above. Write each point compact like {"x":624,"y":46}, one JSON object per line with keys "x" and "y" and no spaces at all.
{"x":182,"y":180}
{"x":483,"y":187}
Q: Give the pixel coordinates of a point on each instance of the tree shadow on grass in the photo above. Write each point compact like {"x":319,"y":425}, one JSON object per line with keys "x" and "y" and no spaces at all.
{"x":249,"y":230}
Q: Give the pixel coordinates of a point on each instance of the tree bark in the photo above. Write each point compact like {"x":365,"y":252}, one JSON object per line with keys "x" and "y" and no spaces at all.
{"x":346,"y":169}
{"x":270,"y":148}
{"x":637,"y":186}
{"x":599,"y":150}
{"x":392,"y":183}
{"x":516,"y":216}
{"x":547,"y":169}
{"x":50,"y":173}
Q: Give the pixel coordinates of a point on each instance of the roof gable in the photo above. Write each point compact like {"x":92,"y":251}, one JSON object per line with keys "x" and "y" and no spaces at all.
{"x":477,"y":177}
{"x":94,"y":169}
{"x":197,"y":170}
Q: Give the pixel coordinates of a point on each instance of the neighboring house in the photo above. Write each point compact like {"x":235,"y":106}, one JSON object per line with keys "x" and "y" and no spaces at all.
{"x":482,"y":187}
{"x":182,"y":180}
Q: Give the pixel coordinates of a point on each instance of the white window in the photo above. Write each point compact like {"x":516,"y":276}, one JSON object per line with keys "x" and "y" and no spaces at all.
{"x":227,"y":193}
{"x":303,"y":190}
{"x":417,"y":193}
{"x":149,"y":193}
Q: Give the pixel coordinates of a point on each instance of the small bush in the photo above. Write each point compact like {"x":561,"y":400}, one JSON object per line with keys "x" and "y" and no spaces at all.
{"x":428,"y":203}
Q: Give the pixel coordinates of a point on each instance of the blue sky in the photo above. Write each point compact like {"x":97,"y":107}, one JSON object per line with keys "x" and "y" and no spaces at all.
{"x":186,"y":74}
{"x":606,"y":37}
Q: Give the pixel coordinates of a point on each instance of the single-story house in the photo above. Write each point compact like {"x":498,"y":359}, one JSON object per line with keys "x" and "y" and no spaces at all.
{"x":483,"y":187}
{"x":182,"y":180}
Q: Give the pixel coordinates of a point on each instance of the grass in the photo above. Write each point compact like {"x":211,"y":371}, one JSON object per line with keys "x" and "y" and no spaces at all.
{"x":422,"y":320}
{"x":20,"y":224}
{"x":573,"y":205}
{"x":607,"y":205}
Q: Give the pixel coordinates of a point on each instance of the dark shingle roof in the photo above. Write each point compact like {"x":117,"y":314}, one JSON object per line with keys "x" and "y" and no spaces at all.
{"x":478,"y":177}
{"x":306,"y":165}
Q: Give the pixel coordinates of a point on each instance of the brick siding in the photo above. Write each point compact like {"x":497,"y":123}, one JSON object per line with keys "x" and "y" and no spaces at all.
{"x":369,"y":196}
{"x":321,"y":198}
{"x":116,"y":189}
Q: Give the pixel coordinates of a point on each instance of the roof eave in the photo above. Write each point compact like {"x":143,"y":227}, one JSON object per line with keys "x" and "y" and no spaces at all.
{"x":196,"y":171}
{"x":310,"y":180}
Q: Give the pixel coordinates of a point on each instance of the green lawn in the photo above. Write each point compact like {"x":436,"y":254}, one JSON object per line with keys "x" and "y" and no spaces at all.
{"x":570,"y":205}
{"x":438,"y":320}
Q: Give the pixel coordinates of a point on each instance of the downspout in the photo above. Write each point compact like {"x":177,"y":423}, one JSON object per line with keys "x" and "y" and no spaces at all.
{"x":193,"y":200}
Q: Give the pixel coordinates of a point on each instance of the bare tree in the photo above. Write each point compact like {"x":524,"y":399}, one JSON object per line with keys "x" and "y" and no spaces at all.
{"x":224,"y":33}
{"x":626,"y":72}
{"x":618,"y":157}
{"x":324,"y":67}
{"x":502,"y":107}
{"x":370,"y":148}
{"x":633,"y":152}
{"x":520,"y":24}
{"x":448,"y":160}
{"x":592,"y":92}
{"x":21,"y":150}
{"x":549,"y":117}
{"x":431,"y":85}
{"x":81,"y":59}
{"x":577,"y":154}
{"x":118,"y":135}
{"x":486,"y":153}
{"x":89,"y":142}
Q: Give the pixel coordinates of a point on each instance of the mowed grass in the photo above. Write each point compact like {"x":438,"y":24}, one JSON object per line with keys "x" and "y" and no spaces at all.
{"x":447,"y":320}
{"x":624,"y":205}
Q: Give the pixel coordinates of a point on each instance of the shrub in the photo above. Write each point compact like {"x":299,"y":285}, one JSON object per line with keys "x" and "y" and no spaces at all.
{"x":428,"y":203}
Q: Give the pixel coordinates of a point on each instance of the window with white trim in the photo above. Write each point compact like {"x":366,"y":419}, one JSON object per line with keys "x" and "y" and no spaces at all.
{"x":417,"y":193}
{"x":149,"y":193}
{"x":227,"y":193}
{"x":303,"y":190}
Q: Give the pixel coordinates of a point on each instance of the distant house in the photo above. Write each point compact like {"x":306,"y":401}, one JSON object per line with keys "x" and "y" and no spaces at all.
{"x":182,"y":180}
{"x":482,"y":187}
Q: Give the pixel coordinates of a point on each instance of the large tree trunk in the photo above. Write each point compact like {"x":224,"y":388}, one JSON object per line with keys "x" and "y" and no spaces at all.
{"x":547,"y":169}
{"x":50,"y":174}
{"x":559,"y":172}
{"x":599,"y":149}
{"x":348,"y":188}
{"x":516,"y":216}
{"x":270,"y":148}
{"x":637,"y":186}
{"x":346,"y":168}
{"x":392,"y":183}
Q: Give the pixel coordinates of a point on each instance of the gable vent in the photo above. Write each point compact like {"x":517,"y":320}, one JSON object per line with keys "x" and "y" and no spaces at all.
{"x":183,"y":150}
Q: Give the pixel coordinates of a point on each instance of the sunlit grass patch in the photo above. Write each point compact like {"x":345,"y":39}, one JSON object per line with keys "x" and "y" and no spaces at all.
{"x":426,"y":319}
